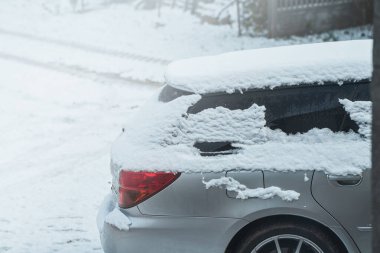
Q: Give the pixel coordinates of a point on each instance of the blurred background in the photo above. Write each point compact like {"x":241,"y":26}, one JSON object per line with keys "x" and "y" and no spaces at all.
{"x":72,"y":71}
{"x":135,"y":39}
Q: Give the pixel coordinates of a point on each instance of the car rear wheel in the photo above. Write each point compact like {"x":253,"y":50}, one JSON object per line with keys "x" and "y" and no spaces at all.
{"x":287,"y":237}
{"x":287,"y":243}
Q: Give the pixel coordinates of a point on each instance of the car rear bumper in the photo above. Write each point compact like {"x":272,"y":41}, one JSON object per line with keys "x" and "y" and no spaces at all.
{"x":168,"y":234}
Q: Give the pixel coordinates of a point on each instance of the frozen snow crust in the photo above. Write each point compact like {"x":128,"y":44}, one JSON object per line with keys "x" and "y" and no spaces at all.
{"x":273,"y":67}
{"x":244,"y":193}
{"x":161,"y":137}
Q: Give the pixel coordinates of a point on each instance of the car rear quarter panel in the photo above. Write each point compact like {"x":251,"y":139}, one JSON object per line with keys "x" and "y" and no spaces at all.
{"x":188,"y":197}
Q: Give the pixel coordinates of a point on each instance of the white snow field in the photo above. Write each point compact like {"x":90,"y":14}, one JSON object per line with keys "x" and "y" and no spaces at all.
{"x":55,"y":134}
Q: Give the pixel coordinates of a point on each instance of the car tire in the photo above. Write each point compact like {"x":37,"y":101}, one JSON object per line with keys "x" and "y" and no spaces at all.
{"x":262,"y":239}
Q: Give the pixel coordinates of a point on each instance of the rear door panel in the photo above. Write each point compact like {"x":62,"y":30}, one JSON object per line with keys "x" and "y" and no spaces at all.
{"x":348,"y":201}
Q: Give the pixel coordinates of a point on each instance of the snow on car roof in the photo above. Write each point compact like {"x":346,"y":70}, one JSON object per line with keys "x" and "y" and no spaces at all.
{"x":273,"y":67}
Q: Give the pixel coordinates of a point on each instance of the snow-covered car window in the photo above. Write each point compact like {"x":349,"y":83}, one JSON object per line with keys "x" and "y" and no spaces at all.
{"x":294,"y":109}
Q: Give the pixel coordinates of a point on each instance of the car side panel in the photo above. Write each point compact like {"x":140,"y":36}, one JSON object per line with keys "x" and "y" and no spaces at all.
{"x":168,"y":234}
{"x":187,"y":197}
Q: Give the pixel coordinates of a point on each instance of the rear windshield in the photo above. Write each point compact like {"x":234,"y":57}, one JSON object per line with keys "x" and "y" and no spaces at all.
{"x":293,"y":109}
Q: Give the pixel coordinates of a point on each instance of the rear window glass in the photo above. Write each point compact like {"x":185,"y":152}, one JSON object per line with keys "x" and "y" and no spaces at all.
{"x":293,"y":109}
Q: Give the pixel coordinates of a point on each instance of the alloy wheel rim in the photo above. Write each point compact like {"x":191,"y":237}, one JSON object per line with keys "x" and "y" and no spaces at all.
{"x":287,"y":243}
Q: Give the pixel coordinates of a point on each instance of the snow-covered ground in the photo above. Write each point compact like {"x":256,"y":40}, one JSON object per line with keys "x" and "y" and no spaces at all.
{"x":55,"y":135}
{"x":67,"y":83}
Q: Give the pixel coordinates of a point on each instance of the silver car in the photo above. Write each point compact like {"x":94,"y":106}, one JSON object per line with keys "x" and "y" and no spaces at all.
{"x":175,"y":213}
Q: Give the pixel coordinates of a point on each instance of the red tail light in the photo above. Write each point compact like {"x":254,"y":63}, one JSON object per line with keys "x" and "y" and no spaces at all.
{"x":135,"y":187}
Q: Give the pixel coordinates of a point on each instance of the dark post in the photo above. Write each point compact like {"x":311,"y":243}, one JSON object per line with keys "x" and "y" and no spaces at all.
{"x":376,"y":132}
{"x":238,"y":17}
{"x":194,"y":6}
{"x":271,"y":15}
{"x":186,"y":5}
{"x":159,"y":4}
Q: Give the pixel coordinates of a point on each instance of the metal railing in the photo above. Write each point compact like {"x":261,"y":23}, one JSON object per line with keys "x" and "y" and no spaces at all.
{"x":301,"y":4}
{"x":292,"y":17}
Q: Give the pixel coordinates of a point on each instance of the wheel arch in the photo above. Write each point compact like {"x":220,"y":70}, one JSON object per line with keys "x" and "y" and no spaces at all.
{"x":280,"y":218}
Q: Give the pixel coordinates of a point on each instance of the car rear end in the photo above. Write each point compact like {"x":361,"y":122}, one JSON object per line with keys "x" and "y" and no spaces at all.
{"x":162,"y":211}
{"x":146,"y":199}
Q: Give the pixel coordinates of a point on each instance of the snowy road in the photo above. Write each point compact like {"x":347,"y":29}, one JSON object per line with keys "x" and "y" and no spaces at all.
{"x":55,"y":135}
{"x":84,"y":47}
{"x":81,"y":59}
